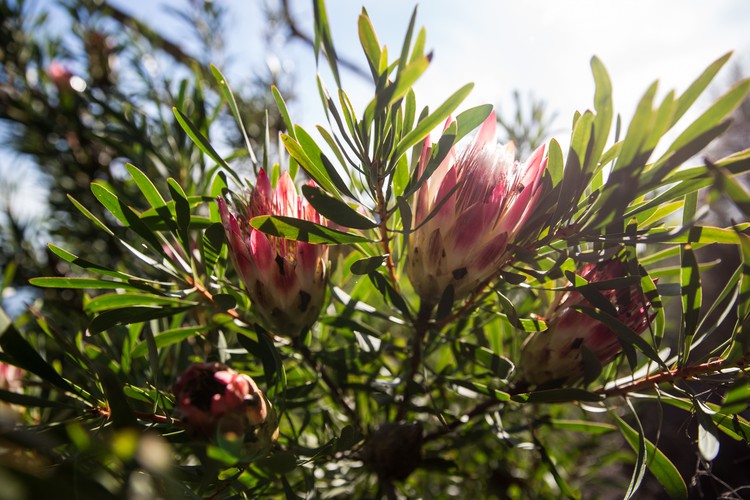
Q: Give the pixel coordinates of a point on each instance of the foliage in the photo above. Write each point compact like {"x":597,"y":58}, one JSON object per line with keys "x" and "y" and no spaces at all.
{"x":387,"y":394}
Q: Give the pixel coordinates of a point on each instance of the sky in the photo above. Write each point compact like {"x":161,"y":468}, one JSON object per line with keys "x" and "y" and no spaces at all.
{"x":539,"y":47}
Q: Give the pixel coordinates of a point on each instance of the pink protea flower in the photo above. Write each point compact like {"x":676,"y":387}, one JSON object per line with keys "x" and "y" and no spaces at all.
{"x":212,"y":397}
{"x":285,"y":279}
{"x":60,"y":76}
{"x":472,"y":235}
{"x":556,"y":353}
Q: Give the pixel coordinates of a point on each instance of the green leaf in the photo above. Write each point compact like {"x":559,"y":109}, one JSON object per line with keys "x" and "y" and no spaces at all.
{"x":499,"y":366}
{"x":624,"y":334}
{"x":15,"y":398}
{"x":147,"y":187}
{"x":698,"y":86}
{"x":167,"y":338}
{"x":128,"y":315}
{"x":369,"y":41}
{"x":470,"y":119}
{"x":315,"y":170}
{"x":213,"y":242}
{"x":25,"y":356}
{"x":657,"y":462}
{"x":691,"y":292}
{"x":302,"y":230}
{"x":229,"y":96}
{"x":283,"y":111}
{"x":708,"y":435}
{"x":203,"y":144}
{"x":122,"y":212}
{"x":84,"y":283}
{"x":323,"y":38}
{"x":368,"y":265}
{"x":720,"y":109}
{"x":336,"y":210}
{"x":407,"y":77}
{"x":390,"y":293}
{"x":90,"y":216}
{"x":85,"y":264}
{"x":118,"y":300}
{"x":737,"y":398}
{"x":431,"y":121}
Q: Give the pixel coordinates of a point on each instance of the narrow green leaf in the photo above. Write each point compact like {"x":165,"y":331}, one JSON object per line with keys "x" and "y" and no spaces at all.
{"x":232,"y":102}
{"x":25,"y":355}
{"x":708,"y":435}
{"x":698,"y":86}
{"x":146,"y":186}
{"x":302,"y":230}
{"x":182,"y":208}
{"x":167,"y":338}
{"x":660,"y":466}
{"x":499,"y":366}
{"x":691,"y":292}
{"x":336,"y":210}
{"x":118,"y":300}
{"x":128,"y":315}
{"x":369,"y":41}
{"x":716,"y":113}
{"x":431,"y":121}
{"x":200,"y":140}
{"x":368,"y":265}
{"x":471,"y":119}
{"x":82,"y":283}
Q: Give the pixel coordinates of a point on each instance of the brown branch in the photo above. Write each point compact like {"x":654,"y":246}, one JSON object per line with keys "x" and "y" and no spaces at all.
{"x":385,"y":239}
{"x":679,"y":373}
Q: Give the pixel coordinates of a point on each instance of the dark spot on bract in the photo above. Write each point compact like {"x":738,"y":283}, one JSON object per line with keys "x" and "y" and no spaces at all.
{"x":280,"y":263}
{"x":304,"y":300}
{"x":460,"y":273}
{"x":576,"y":343}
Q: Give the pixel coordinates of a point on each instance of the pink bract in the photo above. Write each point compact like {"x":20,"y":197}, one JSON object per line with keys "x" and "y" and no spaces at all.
{"x":285,"y":279}
{"x":211,"y":397}
{"x":487,"y":197}
{"x":556,"y":354}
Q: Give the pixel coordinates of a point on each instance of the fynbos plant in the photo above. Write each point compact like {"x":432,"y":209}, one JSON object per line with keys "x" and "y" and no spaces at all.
{"x":424,"y":319}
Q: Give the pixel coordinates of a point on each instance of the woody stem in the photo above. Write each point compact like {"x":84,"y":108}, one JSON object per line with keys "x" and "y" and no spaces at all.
{"x":385,"y":239}
{"x":421,"y":327}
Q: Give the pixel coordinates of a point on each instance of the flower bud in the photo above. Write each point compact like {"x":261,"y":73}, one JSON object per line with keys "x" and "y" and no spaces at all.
{"x":557,"y":353}
{"x":212,"y":397}
{"x":487,"y":198}
{"x":285,"y":279}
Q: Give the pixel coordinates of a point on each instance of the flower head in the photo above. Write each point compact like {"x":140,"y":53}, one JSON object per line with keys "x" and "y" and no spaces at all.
{"x":285,"y":279}
{"x":487,"y":198}
{"x":212,"y":397}
{"x":557,"y":353}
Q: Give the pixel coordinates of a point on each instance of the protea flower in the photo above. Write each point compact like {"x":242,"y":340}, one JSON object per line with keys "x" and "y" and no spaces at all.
{"x":556,"y":353}
{"x":285,"y":279}
{"x":473,"y":233}
{"x":212,"y":397}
